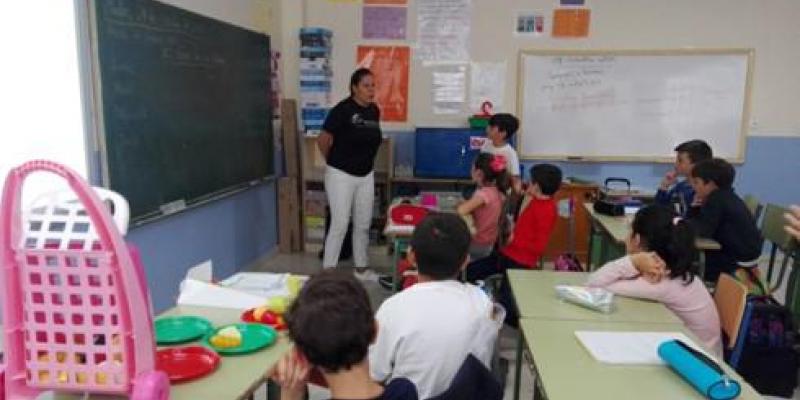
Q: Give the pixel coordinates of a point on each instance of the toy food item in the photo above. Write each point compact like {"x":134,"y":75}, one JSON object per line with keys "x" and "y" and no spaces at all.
{"x":227,"y":337}
{"x":278,"y":304}
{"x":293,"y":283}
{"x":258,"y":313}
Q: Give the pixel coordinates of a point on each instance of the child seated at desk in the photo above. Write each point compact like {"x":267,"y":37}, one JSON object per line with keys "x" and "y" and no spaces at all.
{"x":687,"y":154}
{"x":528,"y":239}
{"x":721,"y":215}
{"x":660,"y":266}
{"x":426,"y":331}
{"x":486,"y":204}
{"x":332,"y":326}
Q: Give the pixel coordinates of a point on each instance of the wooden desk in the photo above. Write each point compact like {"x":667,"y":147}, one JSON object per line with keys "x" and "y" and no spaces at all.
{"x":561,"y":236}
{"x":617,"y":230}
{"x":237,"y":377}
{"x":565,"y":370}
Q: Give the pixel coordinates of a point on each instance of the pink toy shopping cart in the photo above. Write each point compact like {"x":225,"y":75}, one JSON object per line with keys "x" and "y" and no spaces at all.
{"x":75,"y":304}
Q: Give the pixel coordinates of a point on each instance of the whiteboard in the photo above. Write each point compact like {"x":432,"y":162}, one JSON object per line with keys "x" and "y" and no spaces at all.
{"x":632,"y":105}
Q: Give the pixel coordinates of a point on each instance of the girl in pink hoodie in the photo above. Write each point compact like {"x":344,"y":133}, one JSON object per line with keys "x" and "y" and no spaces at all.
{"x":660,"y":266}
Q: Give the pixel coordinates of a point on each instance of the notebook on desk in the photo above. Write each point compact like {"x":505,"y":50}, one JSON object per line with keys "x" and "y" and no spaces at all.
{"x":637,"y":348}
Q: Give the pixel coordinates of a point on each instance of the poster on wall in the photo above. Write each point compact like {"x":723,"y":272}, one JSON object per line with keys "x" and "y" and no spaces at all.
{"x":529,"y":24}
{"x":487,"y":83}
{"x":384,"y":23}
{"x":449,"y":89}
{"x":443,"y":28}
{"x":571,"y":22}
{"x":386,"y":2}
{"x":390,"y":64}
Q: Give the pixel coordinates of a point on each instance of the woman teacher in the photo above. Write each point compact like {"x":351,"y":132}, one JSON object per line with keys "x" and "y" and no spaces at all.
{"x":349,"y":142}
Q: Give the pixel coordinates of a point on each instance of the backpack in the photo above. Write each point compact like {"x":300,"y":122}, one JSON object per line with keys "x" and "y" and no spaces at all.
{"x":769,"y":360}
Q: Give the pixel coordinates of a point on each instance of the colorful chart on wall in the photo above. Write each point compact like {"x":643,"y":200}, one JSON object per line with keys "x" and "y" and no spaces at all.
{"x":386,"y":2}
{"x":390,"y":64}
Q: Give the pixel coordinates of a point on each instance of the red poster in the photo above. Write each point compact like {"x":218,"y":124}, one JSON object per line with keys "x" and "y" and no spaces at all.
{"x":390,"y":64}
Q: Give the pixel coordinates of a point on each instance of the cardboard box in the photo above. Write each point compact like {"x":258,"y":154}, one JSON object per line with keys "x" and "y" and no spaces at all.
{"x":291,"y":138}
{"x":290,"y":237}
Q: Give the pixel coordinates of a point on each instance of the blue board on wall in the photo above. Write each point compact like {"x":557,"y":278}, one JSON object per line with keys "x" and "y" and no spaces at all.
{"x":444,"y":152}
{"x":185,"y":105}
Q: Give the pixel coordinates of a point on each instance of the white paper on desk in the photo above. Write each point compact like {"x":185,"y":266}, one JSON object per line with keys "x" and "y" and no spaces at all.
{"x":262,"y":284}
{"x":628,"y":347}
{"x":197,"y":293}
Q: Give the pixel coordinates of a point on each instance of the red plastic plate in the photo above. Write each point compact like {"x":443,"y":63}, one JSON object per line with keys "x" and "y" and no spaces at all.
{"x":186,"y":363}
{"x":247,"y":316}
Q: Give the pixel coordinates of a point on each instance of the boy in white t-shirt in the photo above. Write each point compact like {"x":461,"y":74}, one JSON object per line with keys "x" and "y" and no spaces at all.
{"x":500,"y":130}
{"x":426,"y":331}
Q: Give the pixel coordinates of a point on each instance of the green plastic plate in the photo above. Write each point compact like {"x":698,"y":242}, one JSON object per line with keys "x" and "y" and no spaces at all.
{"x":181,"y":329}
{"x":254,"y":337}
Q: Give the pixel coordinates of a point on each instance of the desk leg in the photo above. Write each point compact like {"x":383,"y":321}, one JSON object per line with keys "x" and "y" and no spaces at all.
{"x":589,"y":252}
{"x":603,"y":250}
{"x":701,"y":270}
{"x":518,"y":371}
{"x":395,"y":261}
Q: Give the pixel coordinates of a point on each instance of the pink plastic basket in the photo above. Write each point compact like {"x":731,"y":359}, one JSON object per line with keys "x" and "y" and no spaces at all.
{"x":76,"y":308}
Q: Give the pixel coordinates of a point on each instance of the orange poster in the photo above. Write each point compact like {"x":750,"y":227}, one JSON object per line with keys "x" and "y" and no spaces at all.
{"x":571,"y":22}
{"x":390,"y":64}
{"x":385,"y":2}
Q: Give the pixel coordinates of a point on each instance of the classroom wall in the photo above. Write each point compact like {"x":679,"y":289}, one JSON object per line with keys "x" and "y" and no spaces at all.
{"x":770,"y":28}
{"x":232,"y":232}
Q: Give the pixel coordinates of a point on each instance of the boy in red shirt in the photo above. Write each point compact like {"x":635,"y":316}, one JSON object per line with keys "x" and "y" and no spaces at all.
{"x":533,"y":227}
{"x":529,"y":238}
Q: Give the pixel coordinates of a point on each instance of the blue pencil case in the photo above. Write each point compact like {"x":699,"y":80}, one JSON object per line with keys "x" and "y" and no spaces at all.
{"x":701,"y":372}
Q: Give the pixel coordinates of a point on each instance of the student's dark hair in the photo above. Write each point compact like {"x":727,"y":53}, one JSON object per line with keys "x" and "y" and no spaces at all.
{"x":441,"y":244}
{"x":487,"y":163}
{"x":331,"y":321}
{"x":357,"y":76}
{"x":505,"y":123}
{"x":673,"y":242}
{"x":715,"y":170}
{"x":548,"y":177}
{"x":698,"y":150}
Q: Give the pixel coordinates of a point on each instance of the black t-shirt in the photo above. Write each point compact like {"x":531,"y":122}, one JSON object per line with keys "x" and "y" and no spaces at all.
{"x":397,"y":389}
{"x":356,"y":136}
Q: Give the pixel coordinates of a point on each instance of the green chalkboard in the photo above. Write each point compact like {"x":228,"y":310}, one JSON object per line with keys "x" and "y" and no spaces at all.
{"x":185,"y":103}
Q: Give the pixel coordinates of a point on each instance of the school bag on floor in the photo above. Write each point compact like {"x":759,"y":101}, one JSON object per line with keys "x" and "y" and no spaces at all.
{"x":769,"y":359}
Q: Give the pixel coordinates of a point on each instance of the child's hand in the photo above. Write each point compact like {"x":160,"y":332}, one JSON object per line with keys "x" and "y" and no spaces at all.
{"x":669,"y":179}
{"x":651,"y":267}
{"x":291,"y":374}
{"x":793,"y":222}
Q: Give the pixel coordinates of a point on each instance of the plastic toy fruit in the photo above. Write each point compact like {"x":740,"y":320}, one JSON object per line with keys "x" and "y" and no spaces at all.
{"x":227,"y":337}
{"x":278,"y":304}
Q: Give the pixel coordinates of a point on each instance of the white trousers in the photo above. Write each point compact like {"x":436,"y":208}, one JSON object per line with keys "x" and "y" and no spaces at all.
{"x":348,"y":194}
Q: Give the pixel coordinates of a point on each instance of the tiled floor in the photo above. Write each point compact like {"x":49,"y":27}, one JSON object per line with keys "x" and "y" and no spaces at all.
{"x":309,"y":263}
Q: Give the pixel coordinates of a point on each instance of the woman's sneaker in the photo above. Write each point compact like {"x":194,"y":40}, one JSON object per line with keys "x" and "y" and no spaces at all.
{"x":365,"y":274}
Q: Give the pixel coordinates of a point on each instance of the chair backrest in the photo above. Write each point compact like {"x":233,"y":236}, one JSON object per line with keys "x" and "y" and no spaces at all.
{"x":772,"y":227}
{"x":753,"y":205}
{"x":731,"y":300}
{"x":473,"y":381}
